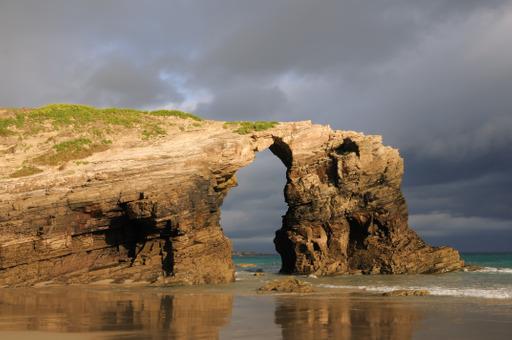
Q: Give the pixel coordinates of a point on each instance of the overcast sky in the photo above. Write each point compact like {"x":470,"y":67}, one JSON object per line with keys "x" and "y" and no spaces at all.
{"x":433,"y":77}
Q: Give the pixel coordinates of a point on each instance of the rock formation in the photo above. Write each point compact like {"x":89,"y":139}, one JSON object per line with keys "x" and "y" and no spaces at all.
{"x":150,"y":211}
{"x":286,"y":285}
{"x":407,"y":292}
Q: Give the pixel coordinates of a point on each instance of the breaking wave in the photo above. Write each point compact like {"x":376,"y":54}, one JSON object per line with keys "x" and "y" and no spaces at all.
{"x":495,"y":270}
{"x":496,"y":293}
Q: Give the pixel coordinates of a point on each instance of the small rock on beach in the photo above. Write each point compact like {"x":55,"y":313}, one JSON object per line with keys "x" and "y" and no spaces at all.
{"x":407,"y":292}
{"x":288,"y":285}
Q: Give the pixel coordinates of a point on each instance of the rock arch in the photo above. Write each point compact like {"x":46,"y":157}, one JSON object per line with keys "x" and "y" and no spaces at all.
{"x":346,"y":212}
{"x":153,"y":213}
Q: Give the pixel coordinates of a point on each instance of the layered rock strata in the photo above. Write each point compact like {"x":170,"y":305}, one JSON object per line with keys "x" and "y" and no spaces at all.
{"x":150,"y":213}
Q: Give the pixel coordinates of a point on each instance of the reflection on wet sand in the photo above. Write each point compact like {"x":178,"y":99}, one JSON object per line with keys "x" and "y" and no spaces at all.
{"x":125,"y":313}
{"x":329,"y":317}
{"x":157,"y":313}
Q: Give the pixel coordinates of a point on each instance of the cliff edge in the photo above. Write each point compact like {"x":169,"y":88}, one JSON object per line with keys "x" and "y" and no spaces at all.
{"x":92,"y":195}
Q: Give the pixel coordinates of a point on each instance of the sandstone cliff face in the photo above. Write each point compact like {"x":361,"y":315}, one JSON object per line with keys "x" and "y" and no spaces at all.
{"x":150,"y":213}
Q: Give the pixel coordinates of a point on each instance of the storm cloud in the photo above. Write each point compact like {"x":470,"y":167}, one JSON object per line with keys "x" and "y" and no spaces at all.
{"x":433,"y":77}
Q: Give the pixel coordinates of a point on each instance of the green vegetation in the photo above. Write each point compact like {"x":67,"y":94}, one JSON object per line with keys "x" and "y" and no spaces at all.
{"x":72,"y":145}
{"x":4,"y":126}
{"x":5,"y":123}
{"x":152,"y":130}
{"x":175,"y":113}
{"x":72,"y":149}
{"x":84,"y":118}
{"x":70,"y":132}
{"x":25,"y":171}
{"x":246,"y":127}
{"x":79,"y":115}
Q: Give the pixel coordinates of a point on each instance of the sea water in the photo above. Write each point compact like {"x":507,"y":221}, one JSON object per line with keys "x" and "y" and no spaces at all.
{"x":493,"y":280}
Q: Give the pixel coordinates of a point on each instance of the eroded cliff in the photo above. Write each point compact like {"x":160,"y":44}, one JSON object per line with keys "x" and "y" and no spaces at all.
{"x":149,"y":210}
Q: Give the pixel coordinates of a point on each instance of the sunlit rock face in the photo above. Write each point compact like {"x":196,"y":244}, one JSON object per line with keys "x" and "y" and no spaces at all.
{"x":346,"y":210}
{"x":150,"y":213}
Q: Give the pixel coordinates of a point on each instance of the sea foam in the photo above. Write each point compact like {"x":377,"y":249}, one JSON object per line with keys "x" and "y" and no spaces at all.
{"x":495,"y":270}
{"x":497,"y":293}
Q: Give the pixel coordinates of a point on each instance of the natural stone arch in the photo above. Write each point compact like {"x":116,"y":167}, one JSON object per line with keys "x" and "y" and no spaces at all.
{"x":292,"y":250}
{"x":346,"y":212}
{"x":154,"y":215}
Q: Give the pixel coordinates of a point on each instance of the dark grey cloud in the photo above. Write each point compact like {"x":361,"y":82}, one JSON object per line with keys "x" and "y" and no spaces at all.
{"x":432,"y":77}
{"x":464,"y":233}
{"x":486,"y":196}
{"x":119,"y":82}
{"x":325,"y":36}
{"x":245,"y":101}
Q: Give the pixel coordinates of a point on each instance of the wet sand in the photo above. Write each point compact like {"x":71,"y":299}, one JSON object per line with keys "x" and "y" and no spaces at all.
{"x":226,"y":312}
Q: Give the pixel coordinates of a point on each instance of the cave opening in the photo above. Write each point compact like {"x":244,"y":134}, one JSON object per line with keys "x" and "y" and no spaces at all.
{"x":253,"y":210}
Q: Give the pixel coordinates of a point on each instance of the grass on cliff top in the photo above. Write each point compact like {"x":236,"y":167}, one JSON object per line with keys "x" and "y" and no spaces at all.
{"x":26,"y":170}
{"x":81,"y":117}
{"x":65,"y":132}
{"x":69,"y":150}
{"x":175,"y":113}
{"x":246,"y":127}
{"x":18,"y":120}
{"x":71,"y":114}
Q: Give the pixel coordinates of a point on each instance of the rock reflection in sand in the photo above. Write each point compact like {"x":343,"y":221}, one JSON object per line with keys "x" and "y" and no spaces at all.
{"x":160,"y":313}
{"x":115,"y":313}
{"x":194,"y":313}
{"x":344,"y":318}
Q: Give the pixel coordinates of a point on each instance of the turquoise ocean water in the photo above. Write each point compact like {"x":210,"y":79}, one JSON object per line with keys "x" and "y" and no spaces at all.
{"x":491,"y":260}
{"x":493,"y":280}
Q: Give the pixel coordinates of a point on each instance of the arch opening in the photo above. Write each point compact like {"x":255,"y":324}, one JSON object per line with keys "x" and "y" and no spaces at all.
{"x":252,"y":211}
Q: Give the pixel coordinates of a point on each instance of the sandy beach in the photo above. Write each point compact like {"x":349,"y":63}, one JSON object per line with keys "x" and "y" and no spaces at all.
{"x":236,"y":312}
